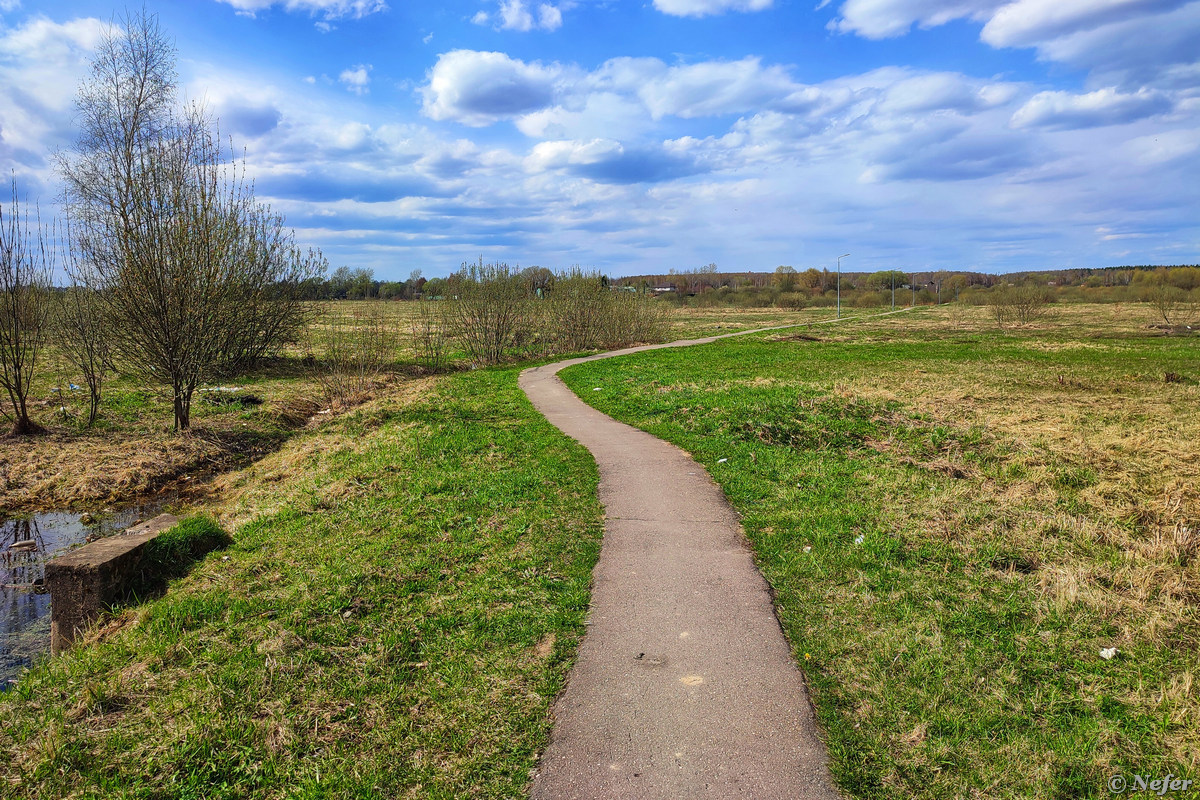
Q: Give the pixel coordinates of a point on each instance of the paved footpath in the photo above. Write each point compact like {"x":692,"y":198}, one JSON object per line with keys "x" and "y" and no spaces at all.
{"x":684,"y":685}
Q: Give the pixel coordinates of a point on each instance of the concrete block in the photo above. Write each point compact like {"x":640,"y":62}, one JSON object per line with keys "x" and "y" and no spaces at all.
{"x":86,"y":580}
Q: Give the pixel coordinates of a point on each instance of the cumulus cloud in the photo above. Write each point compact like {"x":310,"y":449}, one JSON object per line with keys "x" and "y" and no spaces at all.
{"x":357,"y":79}
{"x":1027,"y":22}
{"x":943,"y":91}
{"x":1155,"y":49}
{"x":702,"y":8}
{"x":41,"y":62}
{"x":953,"y":156}
{"x":1065,"y":111}
{"x":327,"y":9}
{"x":1127,"y":42}
{"x":479,"y":88}
{"x":249,"y":120}
{"x":610,"y":161}
{"x":519,"y":15}
{"x":720,"y":87}
{"x":882,"y":19}
{"x":328,"y":184}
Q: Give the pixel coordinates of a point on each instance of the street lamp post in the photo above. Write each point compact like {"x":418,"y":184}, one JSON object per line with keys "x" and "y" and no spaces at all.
{"x":839,"y":288}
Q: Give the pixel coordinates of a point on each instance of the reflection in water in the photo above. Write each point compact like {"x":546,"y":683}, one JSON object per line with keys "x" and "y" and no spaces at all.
{"x":26,"y":544}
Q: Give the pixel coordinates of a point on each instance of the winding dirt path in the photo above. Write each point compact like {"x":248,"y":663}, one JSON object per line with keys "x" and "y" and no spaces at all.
{"x":684,"y":685}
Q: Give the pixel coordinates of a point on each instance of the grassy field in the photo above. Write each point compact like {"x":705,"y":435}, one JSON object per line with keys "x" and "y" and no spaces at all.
{"x":401,"y":602}
{"x":132,"y":451}
{"x":956,"y":520}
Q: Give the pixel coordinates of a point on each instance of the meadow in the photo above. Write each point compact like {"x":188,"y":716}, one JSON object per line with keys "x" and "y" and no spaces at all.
{"x":956,"y":520}
{"x":401,"y":602}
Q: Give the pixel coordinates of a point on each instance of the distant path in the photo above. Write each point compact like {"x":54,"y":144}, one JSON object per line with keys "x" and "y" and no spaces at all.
{"x":684,"y":685}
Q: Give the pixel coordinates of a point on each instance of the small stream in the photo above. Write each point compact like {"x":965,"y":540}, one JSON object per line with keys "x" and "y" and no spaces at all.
{"x":26,"y":544}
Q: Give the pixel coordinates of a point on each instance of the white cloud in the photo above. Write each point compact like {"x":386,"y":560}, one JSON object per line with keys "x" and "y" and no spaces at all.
{"x":514,"y":16}
{"x":41,"y":63}
{"x":943,"y":91}
{"x":479,"y":88}
{"x":881,"y":19}
{"x":1127,"y":42}
{"x":517,"y":15}
{"x":1064,"y":110}
{"x":1025,"y":23}
{"x":357,"y":78}
{"x":1164,"y":147}
{"x":702,"y":8}
{"x":1154,"y":49}
{"x":549,"y":17}
{"x":480,"y":18}
{"x":9,"y":5}
{"x":328,"y":9}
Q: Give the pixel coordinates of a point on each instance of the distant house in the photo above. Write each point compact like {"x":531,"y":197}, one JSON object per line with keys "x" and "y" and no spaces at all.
{"x":662,"y":289}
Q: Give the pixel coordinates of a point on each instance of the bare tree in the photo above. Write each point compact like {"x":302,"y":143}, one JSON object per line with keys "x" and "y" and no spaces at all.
{"x":84,"y":338}
{"x":197,"y":278}
{"x":26,"y":261}
{"x":1172,"y":304}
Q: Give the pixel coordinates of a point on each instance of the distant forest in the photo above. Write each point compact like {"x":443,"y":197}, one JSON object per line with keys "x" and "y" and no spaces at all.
{"x":791,"y":288}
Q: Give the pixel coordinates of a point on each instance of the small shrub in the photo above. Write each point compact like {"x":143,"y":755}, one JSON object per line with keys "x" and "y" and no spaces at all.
{"x":429,"y":335}
{"x":353,"y":354}
{"x":1019,"y":304}
{"x":492,"y":312}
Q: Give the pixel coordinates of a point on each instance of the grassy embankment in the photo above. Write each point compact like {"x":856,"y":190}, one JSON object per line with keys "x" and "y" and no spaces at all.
{"x":956,"y":520}
{"x":402,"y":600}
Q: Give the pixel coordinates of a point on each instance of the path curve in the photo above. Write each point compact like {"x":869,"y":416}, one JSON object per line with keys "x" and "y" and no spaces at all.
{"x":684,"y":686}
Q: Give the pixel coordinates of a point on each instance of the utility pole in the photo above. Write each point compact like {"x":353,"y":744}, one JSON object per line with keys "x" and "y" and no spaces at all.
{"x":893,"y":290}
{"x":912,"y":282}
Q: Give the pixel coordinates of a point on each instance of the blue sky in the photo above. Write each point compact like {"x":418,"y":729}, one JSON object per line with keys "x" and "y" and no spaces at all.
{"x":632,"y":137}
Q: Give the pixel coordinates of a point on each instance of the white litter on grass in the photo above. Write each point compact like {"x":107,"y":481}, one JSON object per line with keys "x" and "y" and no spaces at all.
{"x":1108,"y":653}
{"x":722,"y":460}
{"x":808,"y":548}
{"x":596,"y":389}
{"x":858,"y":539}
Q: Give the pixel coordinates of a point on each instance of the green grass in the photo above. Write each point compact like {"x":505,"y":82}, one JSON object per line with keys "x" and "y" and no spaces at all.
{"x":954,"y":522}
{"x":402,"y":599}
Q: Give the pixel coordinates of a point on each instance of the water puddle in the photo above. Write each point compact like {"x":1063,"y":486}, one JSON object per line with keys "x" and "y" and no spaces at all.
{"x":26,"y":544}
